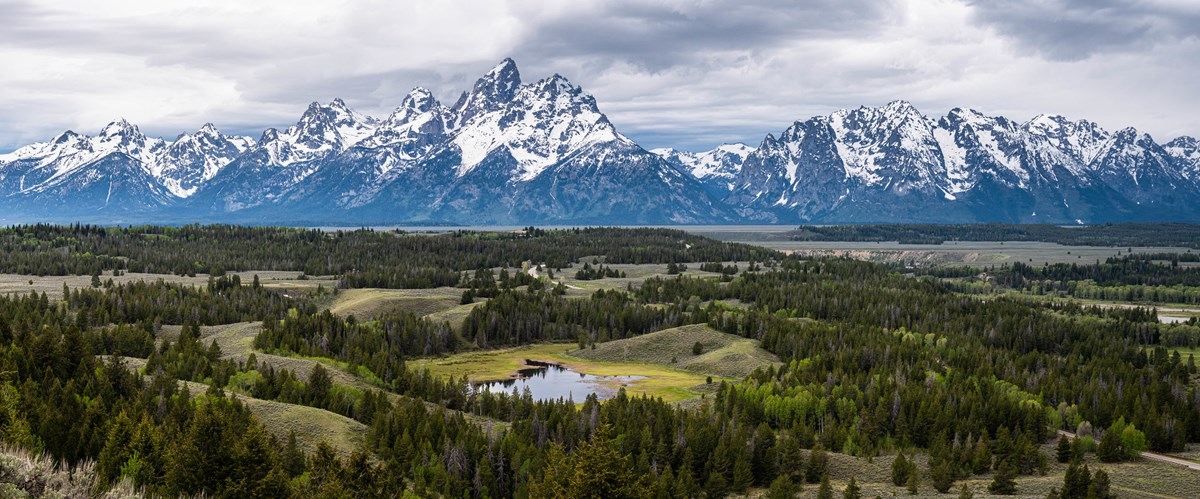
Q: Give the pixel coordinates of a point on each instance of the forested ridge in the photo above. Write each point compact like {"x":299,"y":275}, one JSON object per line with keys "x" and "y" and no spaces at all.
{"x":1137,"y":278}
{"x":873,"y":363}
{"x":363,"y":258}
{"x":1183,"y":235}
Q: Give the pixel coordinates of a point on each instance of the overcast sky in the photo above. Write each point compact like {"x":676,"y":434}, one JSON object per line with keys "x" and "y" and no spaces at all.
{"x":691,"y":74}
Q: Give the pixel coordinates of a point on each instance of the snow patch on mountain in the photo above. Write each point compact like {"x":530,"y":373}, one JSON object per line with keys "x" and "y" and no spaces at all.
{"x":545,"y":122}
{"x":723,"y":161}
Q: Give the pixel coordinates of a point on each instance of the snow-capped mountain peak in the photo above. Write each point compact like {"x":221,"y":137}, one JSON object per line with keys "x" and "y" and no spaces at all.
{"x":419,"y":100}
{"x":193,"y":159}
{"x":493,"y":90}
{"x":716,"y":168}
{"x":323,"y":130}
{"x":542,"y":123}
{"x":542,"y":152}
{"x":414,"y":127}
{"x":119,"y":126}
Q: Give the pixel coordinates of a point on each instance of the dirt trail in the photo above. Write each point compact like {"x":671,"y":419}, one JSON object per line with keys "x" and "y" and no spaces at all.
{"x":1154,"y":456}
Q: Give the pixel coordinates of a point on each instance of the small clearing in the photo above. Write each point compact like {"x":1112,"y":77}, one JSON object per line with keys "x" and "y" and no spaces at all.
{"x":370,"y":303}
{"x":669,"y":383}
{"x":722,"y":355}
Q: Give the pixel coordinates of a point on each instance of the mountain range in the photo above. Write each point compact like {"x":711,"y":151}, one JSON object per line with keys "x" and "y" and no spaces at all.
{"x":510,"y":152}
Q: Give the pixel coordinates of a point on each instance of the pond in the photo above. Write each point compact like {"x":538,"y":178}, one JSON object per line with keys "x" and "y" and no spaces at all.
{"x":1172,"y":319}
{"x":547,"y":381}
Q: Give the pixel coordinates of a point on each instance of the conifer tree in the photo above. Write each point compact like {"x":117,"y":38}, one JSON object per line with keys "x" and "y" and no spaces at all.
{"x":601,"y":471}
{"x":900,"y":470}
{"x":942,"y":476}
{"x":852,"y":490}
{"x":1100,"y":488}
{"x":782,"y":488}
{"x":1004,"y":482}
{"x":818,"y":463}
{"x":1063,"y":452}
{"x":981,"y":456}
{"x":825,"y":491}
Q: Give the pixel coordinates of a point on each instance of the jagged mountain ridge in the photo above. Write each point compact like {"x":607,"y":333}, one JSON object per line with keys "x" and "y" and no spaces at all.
{"x":893,"y":164}
{"x":542,"y":152}
{"x":506,"y":152}
{"x":118,"y":171}
{"x":715,"y":168}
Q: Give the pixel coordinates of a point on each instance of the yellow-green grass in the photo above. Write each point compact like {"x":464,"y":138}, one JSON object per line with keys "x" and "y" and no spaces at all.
{"x":311,"y":425}
{"x":723,"y":355}
{"x":456,"y":314}
{"x":1185,"y":351}
{"x":670,"y":384}
{"x":369,"y":303}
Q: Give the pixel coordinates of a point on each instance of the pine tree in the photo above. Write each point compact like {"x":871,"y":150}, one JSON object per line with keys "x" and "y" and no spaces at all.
{"x":1110,"y":450}
{"x":900,"y":470}
{"x":765,"y":455}
{"x":852,"y":490}
{"x":601,"y":471}
{"x":981,"y":456}
{"x":1063,"y":452}
{"x":1004,"y":483}
{"x":914,"y":483}
{"x":782,"y":488}
{"x":1076,"y":481}
{"x":1004,"y":444}
{"x":791,"y":457}
{"x":319,"y":384}
{"x":255,"y":470}
{"x":825,"y":491}
{"x":664,"y":487}
{"x":716,"y":485}
{"x":818,"y":463}
{"x":293,"y":457}
{"x":685,"y":483}
{"x":942,"y":476}
{"x":1100,"y":488}
{"x":743,"y":476}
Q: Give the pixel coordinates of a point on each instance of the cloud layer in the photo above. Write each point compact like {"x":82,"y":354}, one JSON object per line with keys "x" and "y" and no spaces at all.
{"x":690,"y":74}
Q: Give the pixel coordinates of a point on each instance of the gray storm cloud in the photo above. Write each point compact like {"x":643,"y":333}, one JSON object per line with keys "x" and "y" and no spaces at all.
{"x":689,"y":74}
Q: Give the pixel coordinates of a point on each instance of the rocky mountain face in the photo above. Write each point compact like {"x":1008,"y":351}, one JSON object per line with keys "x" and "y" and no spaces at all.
{"x":510,"y":152}
{"x":715,"y":169}
{"x":506,"y":152}
{"x":118,"y":172}
{"x":893,"y":164}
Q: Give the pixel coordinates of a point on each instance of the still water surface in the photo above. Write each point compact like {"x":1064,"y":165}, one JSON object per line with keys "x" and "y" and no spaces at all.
{"x":551,"y":382}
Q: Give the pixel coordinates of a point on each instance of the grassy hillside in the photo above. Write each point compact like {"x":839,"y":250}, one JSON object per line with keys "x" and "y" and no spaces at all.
{"x":723,"y":355}
{"x":312,"y":425}
{"x":369,"y":303}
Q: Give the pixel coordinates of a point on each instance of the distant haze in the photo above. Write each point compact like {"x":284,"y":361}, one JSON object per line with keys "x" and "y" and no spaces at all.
{"x":686,"y":74}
